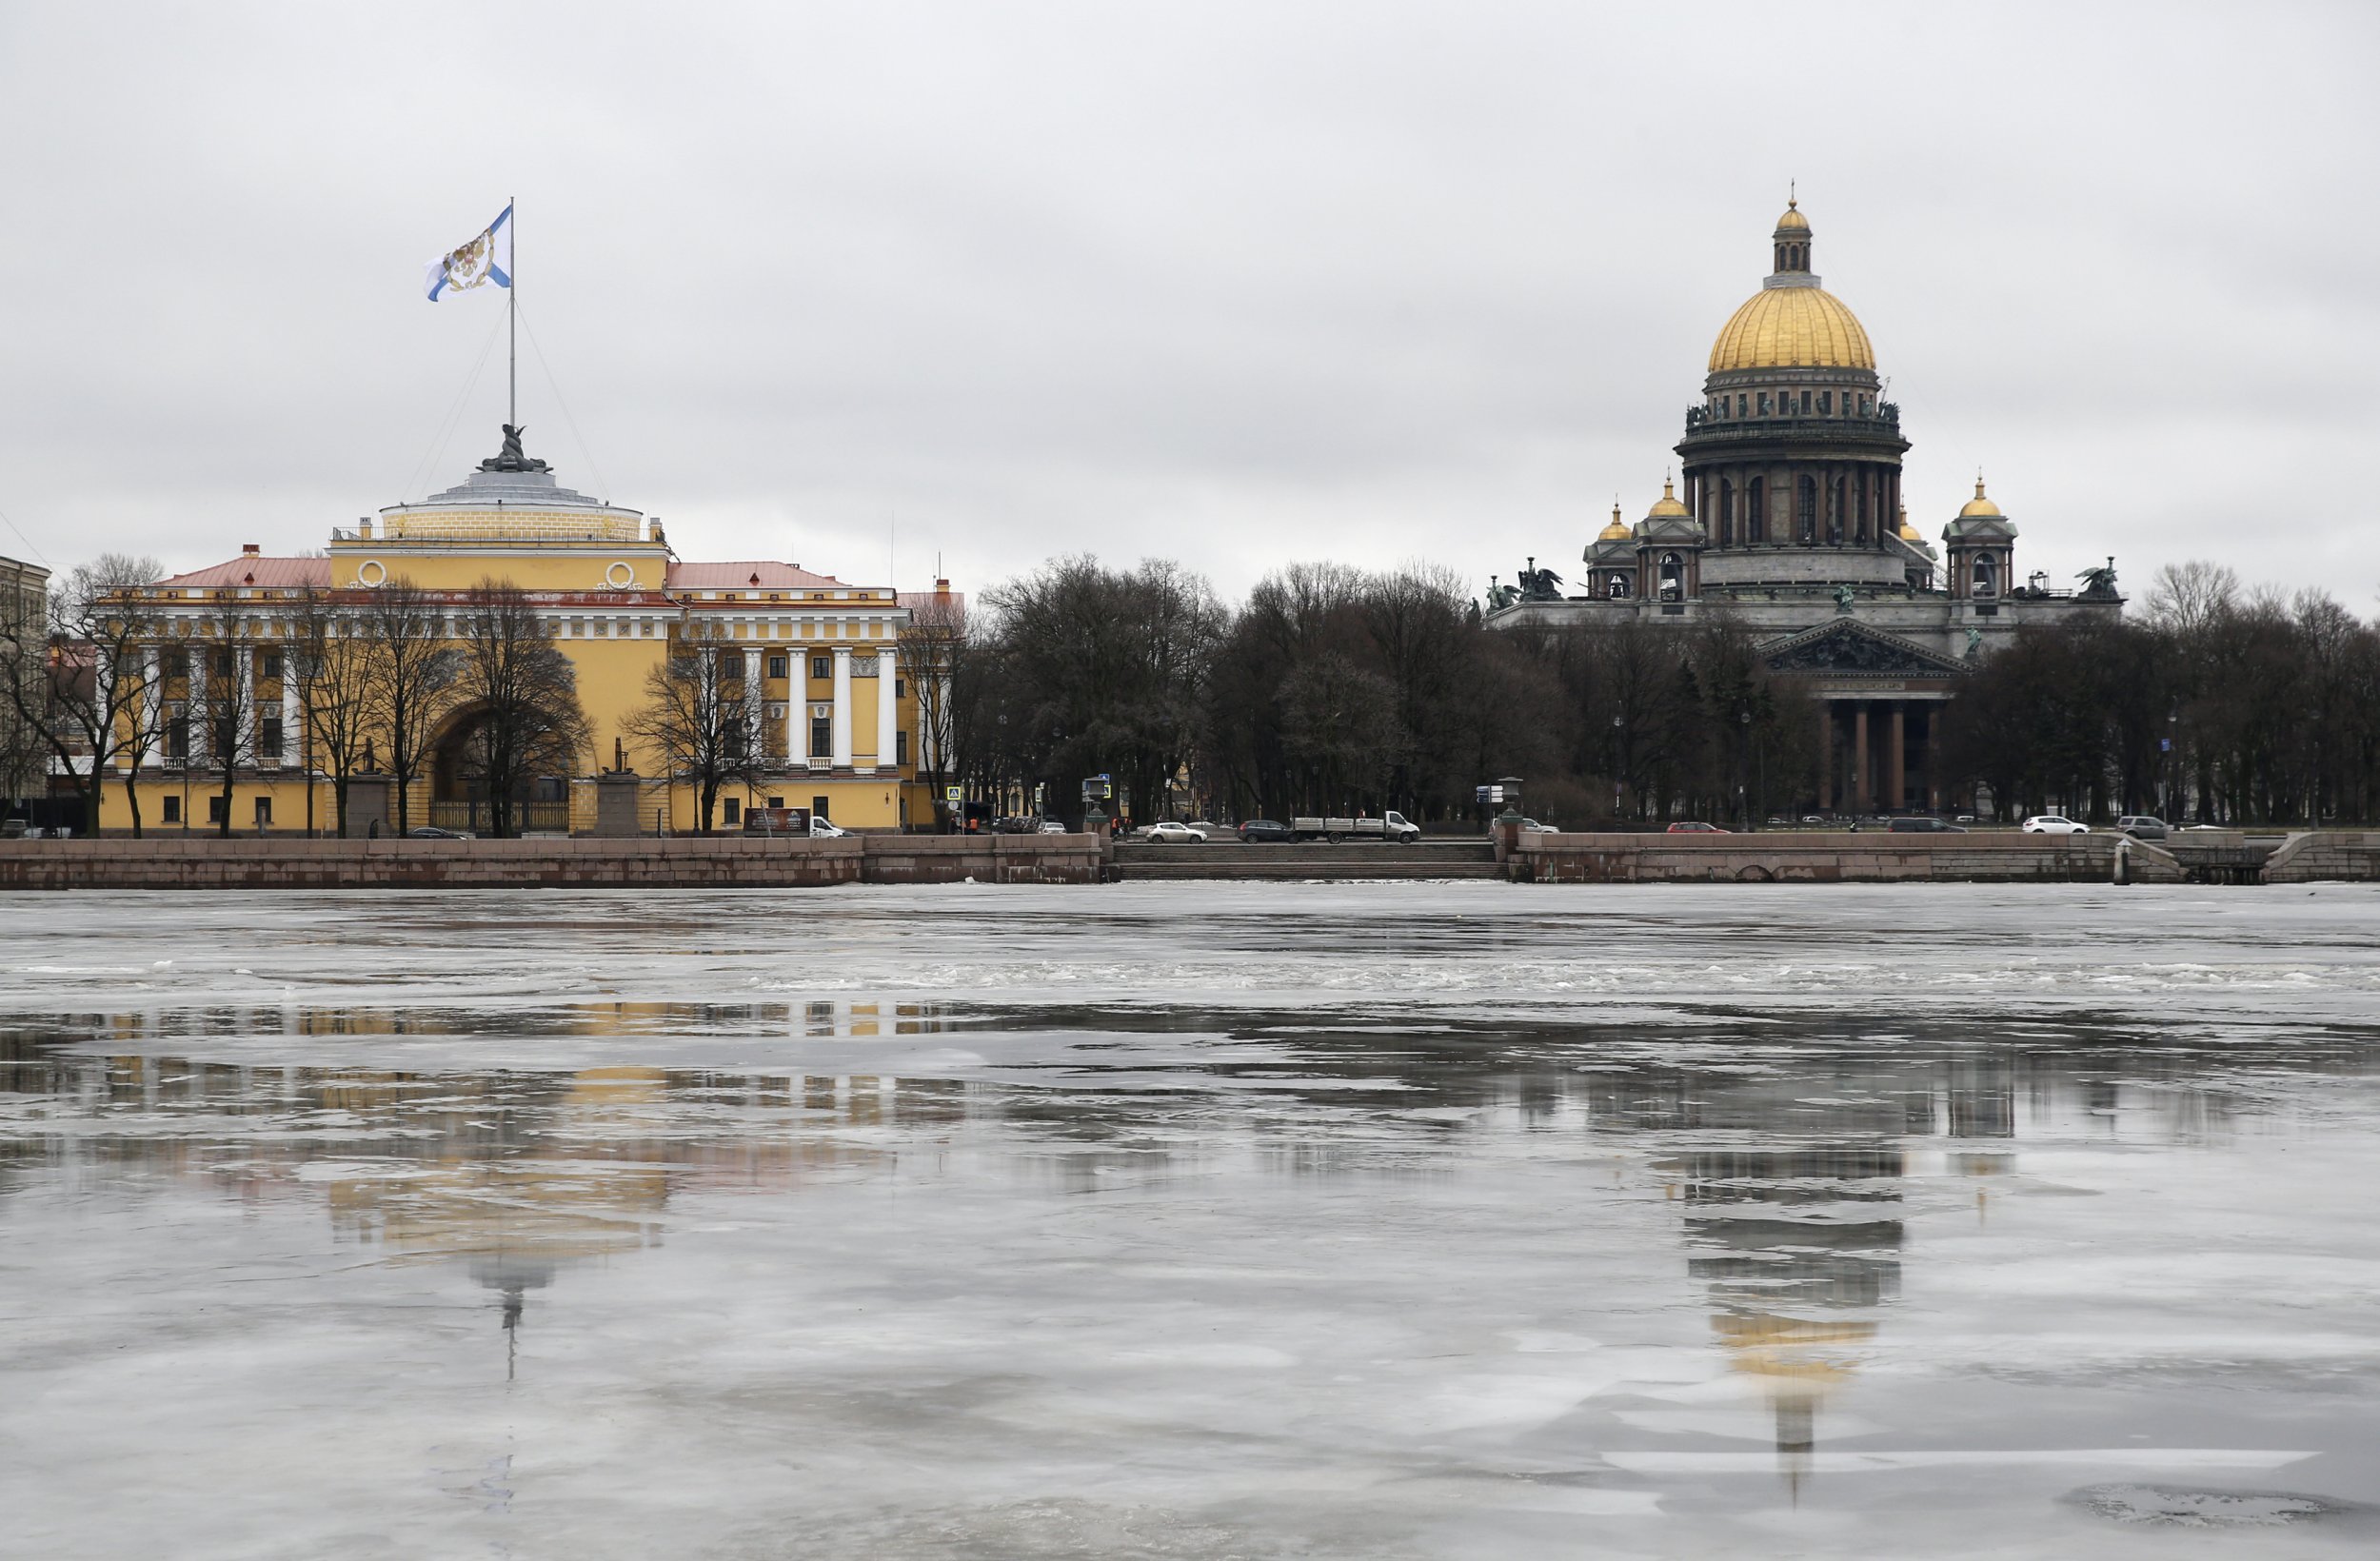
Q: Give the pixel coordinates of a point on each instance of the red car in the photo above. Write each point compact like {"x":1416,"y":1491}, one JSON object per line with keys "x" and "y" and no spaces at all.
{"x":1698,"y":829}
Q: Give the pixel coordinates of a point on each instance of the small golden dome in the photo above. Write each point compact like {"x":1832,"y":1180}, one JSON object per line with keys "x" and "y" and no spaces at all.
{"x":1792,"y":222}
{"x":1980,"y":507}
{"x":1909,"y":533}
{"x":1617,"y":530}
{"x":1792,"y":328}
{"x":1667,"y":506}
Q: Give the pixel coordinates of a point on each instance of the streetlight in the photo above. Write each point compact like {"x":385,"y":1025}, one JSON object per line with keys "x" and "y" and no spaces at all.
{"x":2173,"y":747}
{"x":1619,"y":762}
{"x":1743,"y":768}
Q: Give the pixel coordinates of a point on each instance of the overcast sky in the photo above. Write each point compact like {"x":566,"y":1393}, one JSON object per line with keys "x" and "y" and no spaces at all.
{"x":1233,"y":284}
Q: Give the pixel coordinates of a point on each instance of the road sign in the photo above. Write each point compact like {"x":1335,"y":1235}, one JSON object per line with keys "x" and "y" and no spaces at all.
{"x":953,"y":795}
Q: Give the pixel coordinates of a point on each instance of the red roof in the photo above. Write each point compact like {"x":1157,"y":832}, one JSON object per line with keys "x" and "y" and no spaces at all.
{"x":269,"y":574}
{"x":737,"y":575}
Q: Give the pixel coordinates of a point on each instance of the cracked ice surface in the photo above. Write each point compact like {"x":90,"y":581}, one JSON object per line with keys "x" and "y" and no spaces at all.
{"x":1191,"y":1220}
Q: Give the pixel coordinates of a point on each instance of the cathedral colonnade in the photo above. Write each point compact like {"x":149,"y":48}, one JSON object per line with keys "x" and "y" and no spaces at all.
{"x":1880,"y":752}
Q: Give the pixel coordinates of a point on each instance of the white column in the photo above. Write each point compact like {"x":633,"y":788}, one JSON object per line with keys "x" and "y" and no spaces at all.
{"x":291,"y":747}
{"x":197,"y":706}
{"x":243,"y":656}
{"x":152,"y":711}
{"x":798,"y":708}
{"x":888,"y":713}
{"x":843,"y":707}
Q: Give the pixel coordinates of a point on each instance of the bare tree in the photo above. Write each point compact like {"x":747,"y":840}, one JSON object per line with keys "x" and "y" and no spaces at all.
{"x":414,"y":671}
{"x":702,"y":724}
{"x":336,"y":669}
{"x":89,"y":707}
{"x":222,"y":699}
{"x":931,"y":653}
{"x":523,"y":695}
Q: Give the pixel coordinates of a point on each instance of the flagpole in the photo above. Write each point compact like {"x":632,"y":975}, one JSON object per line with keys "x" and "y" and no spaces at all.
{"x":512,"y":319}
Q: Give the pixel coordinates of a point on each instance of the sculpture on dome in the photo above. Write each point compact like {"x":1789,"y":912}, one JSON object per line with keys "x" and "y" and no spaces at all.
{"x":511,"y":458}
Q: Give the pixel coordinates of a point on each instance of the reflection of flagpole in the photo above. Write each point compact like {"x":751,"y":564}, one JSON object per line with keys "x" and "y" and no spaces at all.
{"x":512,"y":319}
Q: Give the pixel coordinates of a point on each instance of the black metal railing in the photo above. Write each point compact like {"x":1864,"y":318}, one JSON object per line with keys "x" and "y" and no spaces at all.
{"x":479,"y":817}
{"x":1700,"y":427}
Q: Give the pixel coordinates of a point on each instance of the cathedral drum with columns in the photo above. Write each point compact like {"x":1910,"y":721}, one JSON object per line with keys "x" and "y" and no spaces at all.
{"x":1787,"y":517}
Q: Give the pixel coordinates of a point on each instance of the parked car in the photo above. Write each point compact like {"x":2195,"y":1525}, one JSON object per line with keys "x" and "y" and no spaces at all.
{"x":1964,"y":818}
{"x":1266,"y":832}
{"x":2051,"y":823}
{"x":1528,"y":826}
{"x":1174,"y":832}
{"x":1921,"y":826}
{"x":431,"y":832}
{"x":2141,"y":827}
{"x":1695,"y":828}
{"x":1053,"y":826}
{"x":1811,"y":818}
{"x":822,"y":829}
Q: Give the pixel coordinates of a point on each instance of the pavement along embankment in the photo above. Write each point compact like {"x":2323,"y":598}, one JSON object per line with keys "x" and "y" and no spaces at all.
{"x":634,"y":862}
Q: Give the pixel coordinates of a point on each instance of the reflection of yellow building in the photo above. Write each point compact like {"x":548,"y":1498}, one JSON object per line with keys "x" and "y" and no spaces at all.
{"x":816,"y":655}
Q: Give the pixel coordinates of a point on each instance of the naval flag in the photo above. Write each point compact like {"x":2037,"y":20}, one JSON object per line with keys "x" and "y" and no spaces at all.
{"x":486,"y":259}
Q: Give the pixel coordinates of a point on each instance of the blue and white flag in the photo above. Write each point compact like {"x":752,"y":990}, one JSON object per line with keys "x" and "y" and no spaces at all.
{"x":486,"y":259}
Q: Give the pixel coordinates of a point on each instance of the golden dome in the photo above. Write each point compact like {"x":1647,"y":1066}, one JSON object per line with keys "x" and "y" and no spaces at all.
{"x":1792,"y":222}
{"x":1617,"y":530}
{"x":1909,"y":533}
{"x":1667,"y":506}
{"x":1980,"y":507}
{"x":1792,"y":328}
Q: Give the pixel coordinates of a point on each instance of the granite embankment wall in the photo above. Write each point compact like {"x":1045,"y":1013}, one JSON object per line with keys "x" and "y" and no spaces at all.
{"x":1835,"y":858}
{"x":679,"y":862}
{"x":2330,"y":854}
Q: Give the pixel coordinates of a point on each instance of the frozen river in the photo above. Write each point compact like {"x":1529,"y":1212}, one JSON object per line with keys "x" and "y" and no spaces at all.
{"x":1192,"y":1221}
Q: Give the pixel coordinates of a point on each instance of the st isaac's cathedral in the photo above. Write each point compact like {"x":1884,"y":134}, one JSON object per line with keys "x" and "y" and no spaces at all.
{"x":1787,"y":517}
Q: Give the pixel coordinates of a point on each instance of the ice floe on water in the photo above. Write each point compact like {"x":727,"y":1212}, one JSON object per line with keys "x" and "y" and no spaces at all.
{"x":1191,"y":1220}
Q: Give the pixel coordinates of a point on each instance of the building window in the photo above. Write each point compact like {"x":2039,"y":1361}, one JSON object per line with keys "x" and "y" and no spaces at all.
{"x":731,"y":667}
{"x":730,"y":811}
{"x":1619,"y":588}
{"x":776,"y":666}
{"x":216,"y":812}
{"x":821,"y":738}
{"x":1806,"y":508}
{"x":821,"y":667}
{"x":272,"y":736}
{"x":1740,"y":406}
{"x":776,"y":801}
{"x":173,"y":810}
{"x":1987,"y":579}
{"x":264,"y":813}
{"x":901,"y":747}
{"x":818,"y":809}
{"x":1805,"y":404}
{"x":901,"y":688}
{"x":1756,"y":510}
{"x":1764,"y":403}
{"x":1826,"y":403}
{"x":272,"y":664}
{"x":177,"y":732}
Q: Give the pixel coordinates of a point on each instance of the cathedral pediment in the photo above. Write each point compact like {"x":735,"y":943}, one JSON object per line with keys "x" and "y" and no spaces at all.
{"x":1846,"y":649}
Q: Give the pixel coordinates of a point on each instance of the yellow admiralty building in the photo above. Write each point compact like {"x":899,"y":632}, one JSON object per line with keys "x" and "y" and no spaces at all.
{"x":798,"y":684}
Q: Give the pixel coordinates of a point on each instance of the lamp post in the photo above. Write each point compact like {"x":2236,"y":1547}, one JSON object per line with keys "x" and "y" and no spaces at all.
{"x":2172,"y":751}
{"x":1619,"y":762}
{"x":1743,"y":768}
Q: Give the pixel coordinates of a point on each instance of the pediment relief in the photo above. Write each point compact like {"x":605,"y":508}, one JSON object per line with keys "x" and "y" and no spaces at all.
{"x":1845,"y":648}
